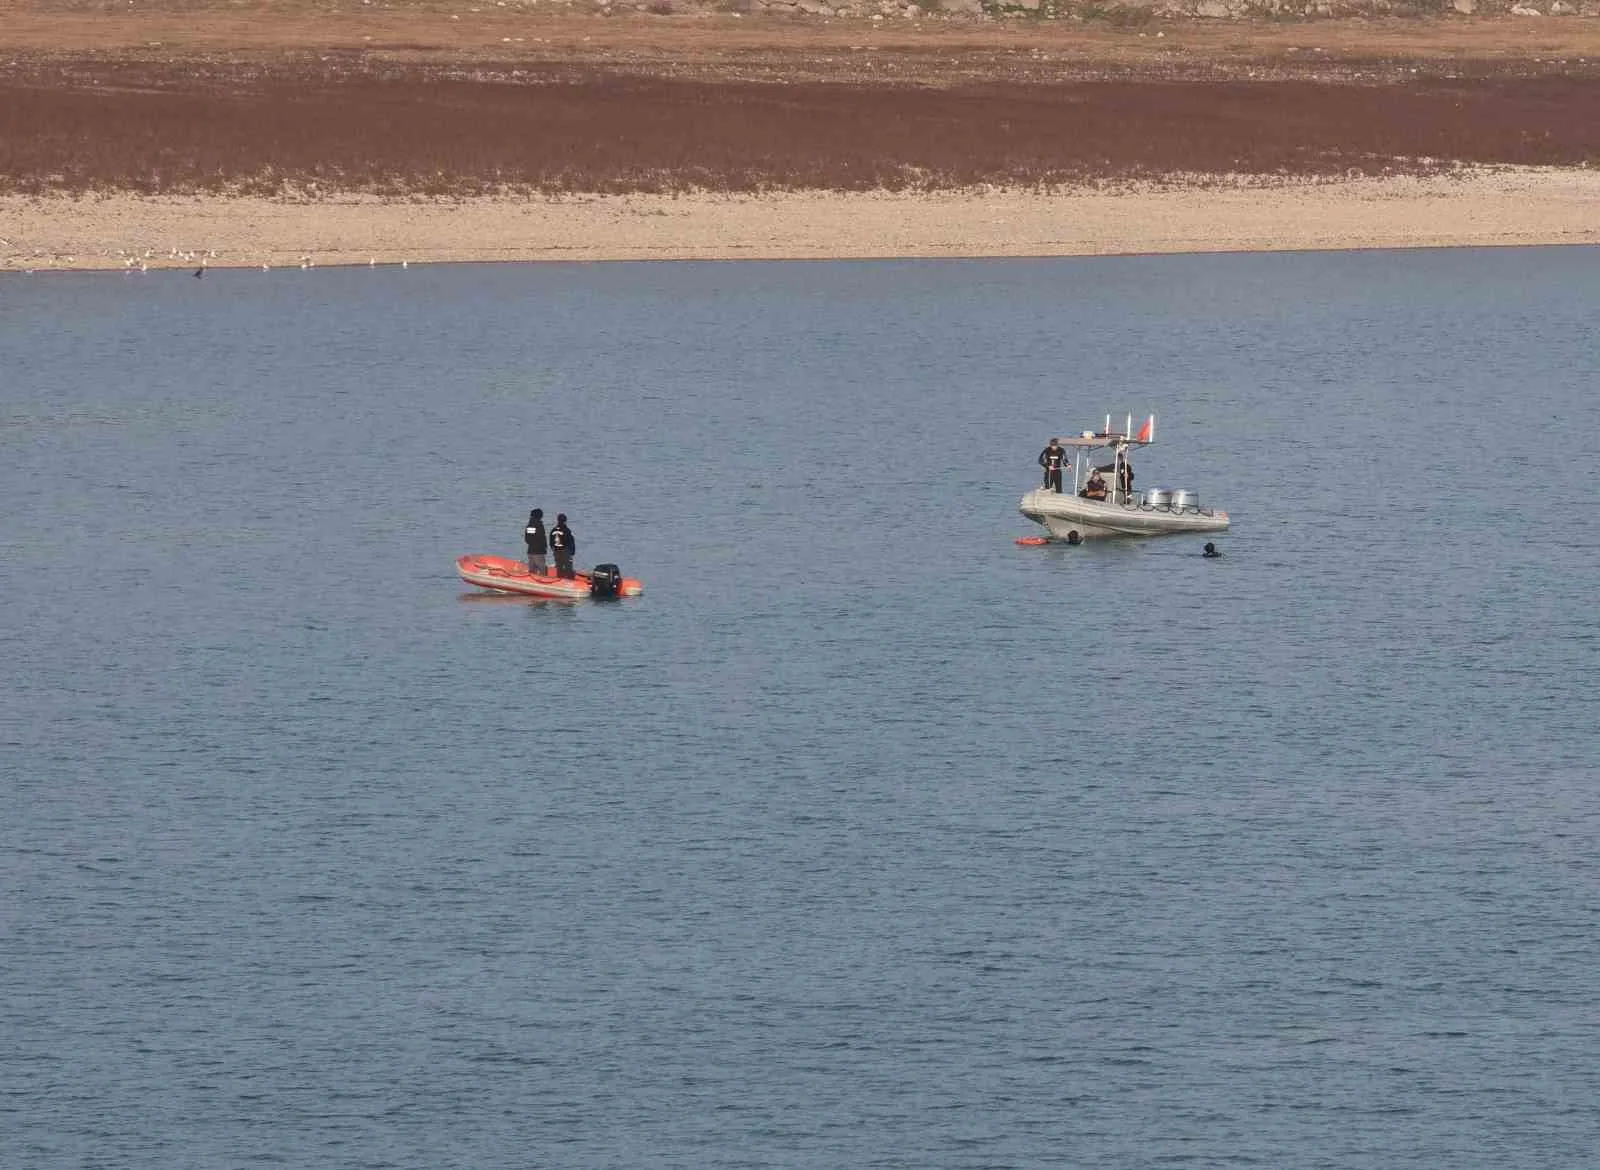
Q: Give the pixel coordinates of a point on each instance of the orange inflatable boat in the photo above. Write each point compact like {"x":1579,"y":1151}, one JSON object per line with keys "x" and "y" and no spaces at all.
{"x":504,"y":575}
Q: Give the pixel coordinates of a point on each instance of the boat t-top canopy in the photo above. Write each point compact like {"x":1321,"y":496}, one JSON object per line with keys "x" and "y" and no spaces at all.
{"x":1109,"y":438}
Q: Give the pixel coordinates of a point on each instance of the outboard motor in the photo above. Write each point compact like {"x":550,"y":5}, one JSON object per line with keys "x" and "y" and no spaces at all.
{"x":605,"y":581}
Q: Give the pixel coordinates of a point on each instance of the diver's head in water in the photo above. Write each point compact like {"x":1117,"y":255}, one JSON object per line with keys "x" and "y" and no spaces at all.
{"x":1211,"y":550}
{"x":1074,"y":538}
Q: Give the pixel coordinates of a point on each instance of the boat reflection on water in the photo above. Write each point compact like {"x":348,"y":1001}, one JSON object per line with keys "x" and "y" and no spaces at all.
{"x":517,"y":599}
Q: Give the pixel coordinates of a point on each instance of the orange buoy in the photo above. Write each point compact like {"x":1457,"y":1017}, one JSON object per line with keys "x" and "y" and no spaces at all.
{"x":1032,"y":541}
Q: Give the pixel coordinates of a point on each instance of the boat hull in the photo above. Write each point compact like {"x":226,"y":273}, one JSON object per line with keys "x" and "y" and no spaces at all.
{"x":504,"y":575}
{"x":1062,"y":514}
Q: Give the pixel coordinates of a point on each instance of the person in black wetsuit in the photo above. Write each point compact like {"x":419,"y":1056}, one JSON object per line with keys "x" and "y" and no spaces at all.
{"x":1211,"y":550}
{"x":1051,"y":459}
{"x":562,"y":546}
{"x":533,"y":534}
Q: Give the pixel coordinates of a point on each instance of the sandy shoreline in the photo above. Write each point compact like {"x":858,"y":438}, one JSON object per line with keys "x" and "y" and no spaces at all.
{"x":1502,"y":208}
{"x":442,"y":105}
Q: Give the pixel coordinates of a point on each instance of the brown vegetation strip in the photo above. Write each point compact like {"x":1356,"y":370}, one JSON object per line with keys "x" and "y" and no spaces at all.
{"x":87,"y":125}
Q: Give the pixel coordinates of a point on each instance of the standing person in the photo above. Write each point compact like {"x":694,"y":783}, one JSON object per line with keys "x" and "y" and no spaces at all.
{"x":1125,"y":477}
{"x":1051,"y":459}
{"x":562,"y":546}
{"x":533,"y":534}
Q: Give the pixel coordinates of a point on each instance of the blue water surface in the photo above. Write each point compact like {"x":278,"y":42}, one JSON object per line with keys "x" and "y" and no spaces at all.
{"x":865,"y":838}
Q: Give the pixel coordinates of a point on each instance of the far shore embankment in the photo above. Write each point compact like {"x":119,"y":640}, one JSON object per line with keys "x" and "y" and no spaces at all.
{"x":316,"y":132}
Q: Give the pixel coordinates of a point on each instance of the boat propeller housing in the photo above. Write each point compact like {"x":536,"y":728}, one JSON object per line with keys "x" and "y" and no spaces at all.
{"x":605,"y":581}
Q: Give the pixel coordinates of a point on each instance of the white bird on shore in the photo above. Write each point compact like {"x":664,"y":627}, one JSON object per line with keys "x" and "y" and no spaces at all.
{"x":405,"y":264}
{"x":372,"y":261}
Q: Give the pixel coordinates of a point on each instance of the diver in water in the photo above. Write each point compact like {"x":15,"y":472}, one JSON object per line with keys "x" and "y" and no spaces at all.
{"x":562,"y":546}
{"x":1074,"y":538}
{"x":1211,"y":550}
{"x":1051,"y":459}
{"x":533,"y":534}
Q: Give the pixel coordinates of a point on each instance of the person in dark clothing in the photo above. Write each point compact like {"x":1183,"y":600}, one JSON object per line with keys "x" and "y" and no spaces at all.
{"x":562,"y":546}
{"x":1125,"y":477}
{"x":1211,"y":550}
{"x":1051,"y":459}
{"x":533,"y":534}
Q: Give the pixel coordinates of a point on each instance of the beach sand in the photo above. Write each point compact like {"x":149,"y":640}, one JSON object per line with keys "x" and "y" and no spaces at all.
{"x":1500,"y":208}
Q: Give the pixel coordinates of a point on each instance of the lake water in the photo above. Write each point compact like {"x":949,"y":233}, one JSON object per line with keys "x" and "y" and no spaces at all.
{"x":865,"y":838}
